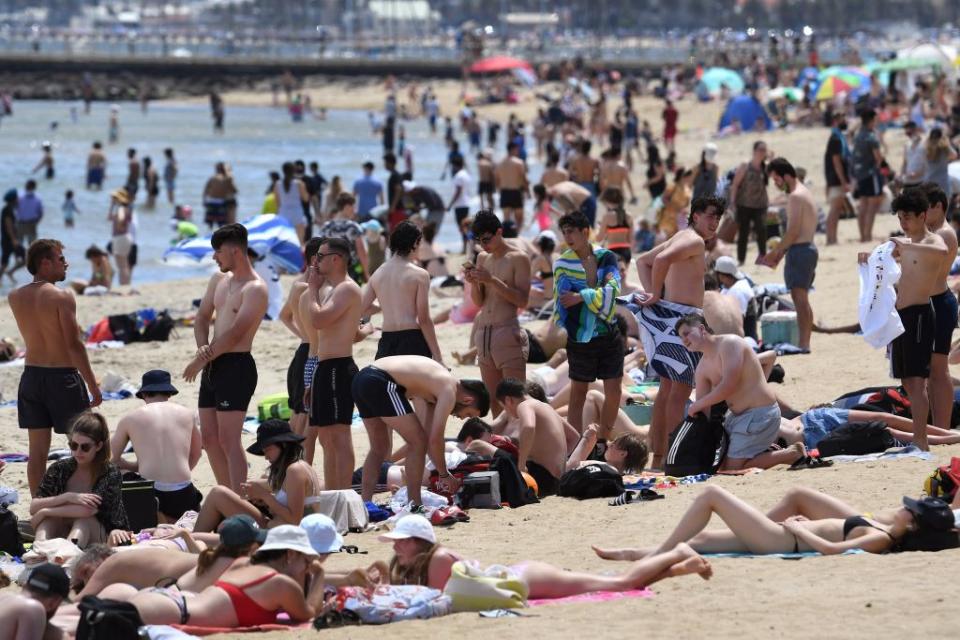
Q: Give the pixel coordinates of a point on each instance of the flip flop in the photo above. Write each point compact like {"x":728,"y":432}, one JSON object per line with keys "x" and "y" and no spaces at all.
{"x":630,"y":497}
{"x":810,"y":462}
{"x":442,"y":518}
{"x":458,"y":513}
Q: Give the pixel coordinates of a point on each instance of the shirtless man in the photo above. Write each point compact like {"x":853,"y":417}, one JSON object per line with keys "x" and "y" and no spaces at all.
{"x":485,"y":180}
{"x":500,"y":286}
{"x":543,"y":447}
{"x":57,"y":375}
{"x":291,"y":319}
{"x":672,"y":277}
{"x":96,"y":167}
{"x":614,"y":173}
{"x":381,"y":392}
{"x":553,"y":173}
{"x":229,"y":373}
{"x":730,"y":372}
{"x":510,"y":179}
{"x":567,"y":197}
{"x":167,"y":442}
{"x":403,"y":289}
{"x":583,"y":169}
{"x":940,"y":386}
{"x":797,"y":244}
{"x":334,"y":315}
{"x":722,"y":312}
{"x":133,"y":174}
{"x":26,"y":615}
{"x":921,"y":256}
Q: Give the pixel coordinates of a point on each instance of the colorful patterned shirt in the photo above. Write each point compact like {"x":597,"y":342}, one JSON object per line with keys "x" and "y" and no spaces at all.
{"x":594,"y":316}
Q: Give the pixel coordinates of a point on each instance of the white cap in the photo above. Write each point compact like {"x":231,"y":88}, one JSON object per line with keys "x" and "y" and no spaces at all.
{"x":728,"y":266}
{"x":710,"y":151}
{"x":409,"y":185}
{"x":410,"y":526}
{"x":322,"y":533}
{"x":547,"y":233}
{"x":288,"y":536}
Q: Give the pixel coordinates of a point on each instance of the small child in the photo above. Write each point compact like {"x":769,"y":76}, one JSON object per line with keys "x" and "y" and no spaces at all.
{"x":644,"y":238}
{"x":69,"y":209}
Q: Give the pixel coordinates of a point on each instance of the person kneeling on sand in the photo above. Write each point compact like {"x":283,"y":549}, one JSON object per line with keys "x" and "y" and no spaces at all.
{"x":27,"y":614}
{"x":804,"y":520}
{"x":420,"y":560}
{"x":730,"y":372}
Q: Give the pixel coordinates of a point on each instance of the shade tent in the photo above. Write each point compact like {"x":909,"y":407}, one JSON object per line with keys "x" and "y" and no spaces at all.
{"x":715,"y":78}
{"x":499,"y":64}
{"x":268,"y":235}
{"x":745,"y":111}
{"x":935,"y":58}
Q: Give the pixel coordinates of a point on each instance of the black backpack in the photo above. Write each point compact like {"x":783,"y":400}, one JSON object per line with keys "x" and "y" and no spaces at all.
{"x":855,"y":439}
{"x":102,"y":619}
{"x":698,"y":445}
{"x":159,"y":330}
{"x":10,"y":541}
{"x":513,"y":488}
{"x":597,"y":480}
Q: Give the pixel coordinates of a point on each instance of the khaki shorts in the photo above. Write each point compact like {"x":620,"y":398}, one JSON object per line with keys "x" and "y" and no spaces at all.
{"x":502,"y":346}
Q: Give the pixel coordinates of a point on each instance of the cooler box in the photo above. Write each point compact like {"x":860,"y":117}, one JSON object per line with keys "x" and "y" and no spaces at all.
{"x":779,"y":326}
{"x":639,"y":413}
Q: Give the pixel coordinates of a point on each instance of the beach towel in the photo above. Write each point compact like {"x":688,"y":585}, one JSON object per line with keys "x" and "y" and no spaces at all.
{"x":593,"y":596}
{"x":784,"y":556}
{"x":209,"y":631}
{"x":897,"y":453}
{"x":655,"y":481}
{"x":664,"y":349}
{"x":877,"y":311}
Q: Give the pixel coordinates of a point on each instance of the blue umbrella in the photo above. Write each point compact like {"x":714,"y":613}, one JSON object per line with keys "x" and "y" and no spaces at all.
{"x":268,"y":235}
{"x":809,"y":74}
{"x":716,"y":77}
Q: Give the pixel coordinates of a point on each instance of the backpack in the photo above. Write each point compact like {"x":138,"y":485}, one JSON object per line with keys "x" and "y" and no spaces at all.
{"x":102,"y":619}
{"x":513,"y":488}
{"x":856,"y":438}
{"x":598,"y":480}
{"x":883,"y":399}
{"x":943,"y":482}
{"x":10,"y":541}
{"x":159,"y":329}
{"x":124,"y":327}
{"x":698,"y":445}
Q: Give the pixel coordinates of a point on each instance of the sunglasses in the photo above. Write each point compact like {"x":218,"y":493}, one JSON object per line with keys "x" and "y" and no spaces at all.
{"x":85,"y":446}
{"x":321,"y":256}
{"x":485,"y":239}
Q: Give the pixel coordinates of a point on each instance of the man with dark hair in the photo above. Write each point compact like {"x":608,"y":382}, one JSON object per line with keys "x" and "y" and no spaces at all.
{"x":477,"y":436}
{"x":403,"y":289}
{"x":586,"y":284}
{"x":836,"y":162}
{"x":867,"y":159}
{"x":57,"y":372}
{"x":500,"y":287}
{"x":167,"y":443}
{"x":729,"y":372}
{"x":334,"y":315}
{"x":419,"y":198}
{"x":368,"y":191}
{"x":672,"y":278}
{"x":239,"y":298}
{"x":940,"y":387}
{"x":382,"y":393}
{"x":510,"y":179}
{"x":27,"y":614}
{"x":920,"y":255}
{"x":797,"y":244}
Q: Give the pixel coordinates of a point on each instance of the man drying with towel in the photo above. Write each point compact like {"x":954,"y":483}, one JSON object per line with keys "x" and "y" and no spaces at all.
{"x":671,"y":275}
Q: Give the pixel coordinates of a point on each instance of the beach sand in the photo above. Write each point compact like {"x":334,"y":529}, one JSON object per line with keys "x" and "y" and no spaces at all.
{"x":862,"y":596}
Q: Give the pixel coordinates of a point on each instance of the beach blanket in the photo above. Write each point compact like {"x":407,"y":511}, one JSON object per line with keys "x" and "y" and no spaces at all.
{"x":595,"y":596}
{"x":209,"y":631}
{"x":645,"y":481}
{"x":896,"y":453}
{"x":784,"y":556}
{"x":670,"y":359}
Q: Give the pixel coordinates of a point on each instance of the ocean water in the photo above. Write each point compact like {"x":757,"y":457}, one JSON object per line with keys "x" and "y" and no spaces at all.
{"x":257,"y":140}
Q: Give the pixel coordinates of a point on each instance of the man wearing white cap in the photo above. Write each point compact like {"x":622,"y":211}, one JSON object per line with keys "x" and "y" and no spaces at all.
{"x":734,"y":283}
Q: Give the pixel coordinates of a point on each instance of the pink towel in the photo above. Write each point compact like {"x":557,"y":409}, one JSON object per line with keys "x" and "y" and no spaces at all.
{"x":596,"y":596}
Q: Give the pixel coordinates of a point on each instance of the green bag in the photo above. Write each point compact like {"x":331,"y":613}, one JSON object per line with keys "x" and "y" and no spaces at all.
{"x":275,"y":406}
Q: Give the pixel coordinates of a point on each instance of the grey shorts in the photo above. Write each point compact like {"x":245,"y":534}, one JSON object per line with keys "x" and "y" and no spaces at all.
{"x":752,"y":432}
{"x":801,"y":266}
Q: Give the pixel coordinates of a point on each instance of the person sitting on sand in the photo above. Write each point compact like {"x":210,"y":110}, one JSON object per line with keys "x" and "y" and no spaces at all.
{"x":627,"y":453}
{"x":812,"y":426}
{"x":101,"y":271}
{"x":290,"y":490}
{"x":804,"y":520}
{"x":419,"y":559}
{"x":27,"y":614}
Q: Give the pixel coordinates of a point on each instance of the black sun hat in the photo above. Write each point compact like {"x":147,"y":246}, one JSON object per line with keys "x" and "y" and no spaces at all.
{"x":156,"y":381}
{"x":273,"y":431}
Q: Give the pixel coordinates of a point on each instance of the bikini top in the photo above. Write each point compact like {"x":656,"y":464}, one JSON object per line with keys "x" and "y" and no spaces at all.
{"x":851,"y":523}
{"x":249,"y":613}
{"x":618,"y":237}
{"x":281,"y":497}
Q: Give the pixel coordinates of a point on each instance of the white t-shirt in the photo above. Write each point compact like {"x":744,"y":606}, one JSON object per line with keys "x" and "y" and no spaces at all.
{"x":742,"y":291}
{"x":462,"y":180}
{"x":877,"y":313}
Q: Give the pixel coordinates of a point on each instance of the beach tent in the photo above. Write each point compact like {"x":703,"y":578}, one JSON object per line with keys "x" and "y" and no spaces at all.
{"x":715,"y":78}
{"x":745,"y":111}
{"x":935,"y":57}
{"x":267,"y":234}
{"x":499,"y":64}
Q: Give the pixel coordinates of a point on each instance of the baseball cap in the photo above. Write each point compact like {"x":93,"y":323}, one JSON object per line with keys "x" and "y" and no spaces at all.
{"x":710,"y":151}
{"x":322,"y":533}
{"x":288,"y":537}
{"x":728,"y":266}
{"x":372,"y":225}
{"x":410,"y":526}
{"x":549,"y":234}
{"x":930,"y":513}
{"x":237,"y":531}
{"x":49,"y":578}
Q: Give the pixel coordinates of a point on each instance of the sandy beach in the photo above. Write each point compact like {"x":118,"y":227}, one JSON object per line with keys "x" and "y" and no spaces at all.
{"x":859,"y":596}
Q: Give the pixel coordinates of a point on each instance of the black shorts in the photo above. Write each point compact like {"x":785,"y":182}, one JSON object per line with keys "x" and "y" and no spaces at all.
{"x":378,"y":395}
{"x":870,"y":187}
{"x":460,"y":214}
{"x":174,"y":504}
{"x":295,"y":387}
{"x":50,"y":397}
{"x":536,"y":355}
{"x":7,"y":251}
{"x":547,"y":485}
{"x":409,"y":342}
{"x":511,"y":199}
{"x":484,"y":188}
{"x":228,"y":383}
{"x":599,"y":359}
{"x":331,"y":396}
{"x":910,"y":351}
{"x":945,"y":308}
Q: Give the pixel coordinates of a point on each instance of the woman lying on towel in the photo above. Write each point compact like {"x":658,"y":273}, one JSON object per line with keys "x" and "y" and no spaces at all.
{"x":419,"y":559}
{"x":804,"y":520}
{"x":812,"y":426}
{"x":291,"y":489}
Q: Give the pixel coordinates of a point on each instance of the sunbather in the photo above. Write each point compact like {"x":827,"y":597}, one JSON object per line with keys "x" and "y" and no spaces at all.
{"x":812,"y":426}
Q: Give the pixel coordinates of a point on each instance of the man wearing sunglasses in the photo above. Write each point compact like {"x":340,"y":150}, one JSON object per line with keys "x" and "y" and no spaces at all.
{"x":57,"y":375}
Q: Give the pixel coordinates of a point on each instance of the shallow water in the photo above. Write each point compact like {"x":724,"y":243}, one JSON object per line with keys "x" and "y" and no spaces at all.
{"x":257,"y":140}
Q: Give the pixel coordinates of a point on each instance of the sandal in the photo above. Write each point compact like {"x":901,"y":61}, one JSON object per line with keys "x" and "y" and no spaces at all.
{"x":630,"y":497}
{"x":441,"y":517}
{"x":458,"y":513}
{"x":335,"y":618}
{"x":810,"y":462}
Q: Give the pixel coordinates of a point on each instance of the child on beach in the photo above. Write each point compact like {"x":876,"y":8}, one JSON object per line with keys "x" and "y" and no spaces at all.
{"x":69,"y":209}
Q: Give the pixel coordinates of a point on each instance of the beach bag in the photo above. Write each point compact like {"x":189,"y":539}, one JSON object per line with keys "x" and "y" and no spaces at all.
{"x":275,"y":406}
{"x":392,"y":602}
{"x":10,"y":541}
{"x":943,"y":482}
{"x":697,"y":446}
{"x":139,"y":501}
{"x":346,"y":508}
{"x":513,"y":488}
{"x":474,"y":589}
{"x":124,"y":327}
{"x":159,"y":329}
{"x":481,"y":490}
{"x":882,"y":399}
{"x":598,"y":480}
{"x":856,"y":439}
{"x":102,"y":619}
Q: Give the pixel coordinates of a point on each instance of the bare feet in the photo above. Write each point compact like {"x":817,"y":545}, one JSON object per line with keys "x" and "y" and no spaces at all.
{"x":619,"y":554}
{"x":800,"y":450}
{"x":463,"y":358}
{"x":693,"y":562}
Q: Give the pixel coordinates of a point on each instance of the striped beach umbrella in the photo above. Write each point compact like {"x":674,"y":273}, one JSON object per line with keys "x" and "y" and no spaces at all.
{"x":269,"y":235}
{"x":852,"y":81}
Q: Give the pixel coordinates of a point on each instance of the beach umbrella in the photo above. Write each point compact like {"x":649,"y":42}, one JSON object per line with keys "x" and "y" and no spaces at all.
{"x":809,"y":74}
{"x":853,"y":81}
{"x":791,"y":94}
{"x":715,"y":78}
{"x":499,"y":64}
{"x":269,"y":235}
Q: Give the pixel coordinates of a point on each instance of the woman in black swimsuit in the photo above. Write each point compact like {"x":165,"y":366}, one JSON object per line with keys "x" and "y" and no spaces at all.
{"x":804,"y":520}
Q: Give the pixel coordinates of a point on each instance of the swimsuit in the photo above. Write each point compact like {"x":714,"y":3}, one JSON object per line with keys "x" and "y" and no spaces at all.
{"x":851,"y":523}
{"x":331,"y":399}
{"x":50,"y":397}
{"x":378,"y":395}
{"x":248,"y":612}
{"x":177,"y":597}
{"x":308,"y":501}
{"x":408,"y":342}
{"x":228,"y":383}
{"x":910,"y":351}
